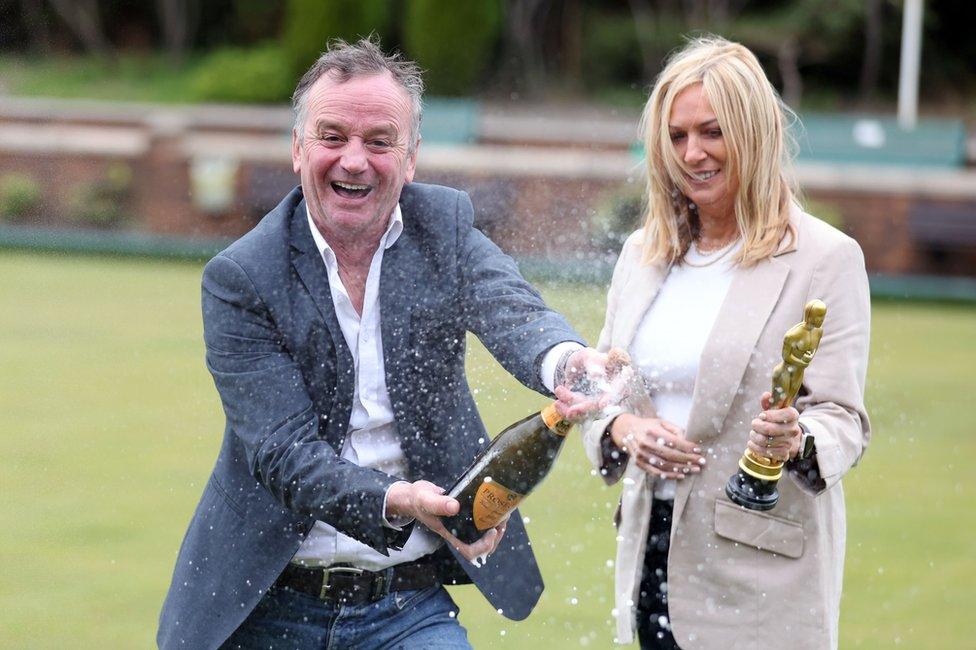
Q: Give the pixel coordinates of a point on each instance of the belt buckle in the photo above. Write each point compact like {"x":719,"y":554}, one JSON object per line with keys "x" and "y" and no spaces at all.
{"x":327,"y":573}
{"x":380,"y":586}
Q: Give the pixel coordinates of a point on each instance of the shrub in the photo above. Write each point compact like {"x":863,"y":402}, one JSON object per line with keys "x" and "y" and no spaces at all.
{"x":613,"y":47}
{"x":620,"y":213}
{"x":453,"y":41}
{"x":611,"y":53}
{"x":827,"y":212}
{"x":101,"y":203}
{"x":20,"y":195}
{"x":245,"y":75}
{"x":310,"y":24}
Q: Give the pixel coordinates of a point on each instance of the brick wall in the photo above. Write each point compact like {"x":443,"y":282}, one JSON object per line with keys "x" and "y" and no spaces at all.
{"x":527,"y":203}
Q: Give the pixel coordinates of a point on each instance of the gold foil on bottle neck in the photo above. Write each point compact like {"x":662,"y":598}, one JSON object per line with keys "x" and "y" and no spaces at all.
{"x":554,"y":421}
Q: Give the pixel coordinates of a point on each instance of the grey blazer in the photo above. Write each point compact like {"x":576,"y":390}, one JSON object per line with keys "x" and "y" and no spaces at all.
{"x":736,"y":578}
{"x":286,"y":380}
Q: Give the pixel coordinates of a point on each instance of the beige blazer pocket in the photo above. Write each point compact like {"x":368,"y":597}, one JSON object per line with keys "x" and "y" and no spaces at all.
{"x":765,"y":532}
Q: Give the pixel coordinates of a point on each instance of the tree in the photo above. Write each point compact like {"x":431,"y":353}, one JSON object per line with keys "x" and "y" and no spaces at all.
{"x":807,"y":31}
{"x":453,"y":41}
{"x":36,"y":23}
{"x":83,"y":20}
{"x":873,"y":49}
{"x":178,"y":20}
{"x":310,"y":24}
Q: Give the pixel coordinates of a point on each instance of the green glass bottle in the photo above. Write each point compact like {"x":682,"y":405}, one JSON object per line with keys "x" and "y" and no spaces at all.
{"x":506,"y":472}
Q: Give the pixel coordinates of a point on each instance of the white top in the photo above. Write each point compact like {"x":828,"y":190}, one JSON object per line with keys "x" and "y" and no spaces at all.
{"x":372,"y":440}
{"x":668,"y":343}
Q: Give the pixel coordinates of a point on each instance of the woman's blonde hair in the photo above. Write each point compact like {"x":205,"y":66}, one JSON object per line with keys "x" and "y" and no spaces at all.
{"x":759,"y":151}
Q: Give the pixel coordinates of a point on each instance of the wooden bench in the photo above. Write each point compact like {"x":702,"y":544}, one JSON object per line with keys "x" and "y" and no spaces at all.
{"x":879,"y":140}
{"x":942,"y":226}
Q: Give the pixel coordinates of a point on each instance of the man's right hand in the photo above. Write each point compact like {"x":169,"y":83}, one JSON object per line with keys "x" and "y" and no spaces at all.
{"x":427,"y":503}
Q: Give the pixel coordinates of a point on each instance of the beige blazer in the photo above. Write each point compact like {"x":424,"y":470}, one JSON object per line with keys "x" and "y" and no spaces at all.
{"x":737,"y":578}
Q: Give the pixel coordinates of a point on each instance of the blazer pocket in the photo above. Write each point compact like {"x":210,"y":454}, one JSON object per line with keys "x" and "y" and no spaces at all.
{"x":765,"y":532}
{"x":219,"y":490}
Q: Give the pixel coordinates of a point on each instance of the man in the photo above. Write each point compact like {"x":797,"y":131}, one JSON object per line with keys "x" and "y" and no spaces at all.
{"x":335,"y":335}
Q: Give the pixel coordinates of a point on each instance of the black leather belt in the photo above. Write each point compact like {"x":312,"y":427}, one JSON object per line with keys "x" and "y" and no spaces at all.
{"x":343,"y":584}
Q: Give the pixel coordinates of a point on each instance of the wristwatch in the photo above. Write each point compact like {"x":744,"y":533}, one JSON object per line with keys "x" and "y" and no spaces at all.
{"x":807,"y":444}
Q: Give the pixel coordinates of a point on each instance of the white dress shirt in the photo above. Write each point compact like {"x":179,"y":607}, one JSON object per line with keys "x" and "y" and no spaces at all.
{"x":669,"y":341}
{"x":372,"y":440}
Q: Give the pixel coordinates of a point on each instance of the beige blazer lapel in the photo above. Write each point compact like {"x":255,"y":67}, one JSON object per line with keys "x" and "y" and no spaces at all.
{"x":636,"y":297}
{"x":741,"y":319}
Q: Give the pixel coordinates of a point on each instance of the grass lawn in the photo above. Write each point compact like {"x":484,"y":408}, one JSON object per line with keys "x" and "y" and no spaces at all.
{"x":109,"y":424}
{"x":145,"y":78}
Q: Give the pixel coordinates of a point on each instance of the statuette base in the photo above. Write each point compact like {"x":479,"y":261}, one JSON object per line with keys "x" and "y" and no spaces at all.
{"x":752,"y":493}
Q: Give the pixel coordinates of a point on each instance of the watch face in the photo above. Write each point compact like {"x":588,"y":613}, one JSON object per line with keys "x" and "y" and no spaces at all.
{"x":808,"y":446}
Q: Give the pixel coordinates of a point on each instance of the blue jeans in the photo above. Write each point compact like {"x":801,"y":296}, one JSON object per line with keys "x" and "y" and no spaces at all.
{"x":285,"y":618}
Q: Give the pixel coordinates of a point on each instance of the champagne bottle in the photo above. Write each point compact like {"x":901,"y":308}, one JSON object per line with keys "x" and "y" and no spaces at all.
{"x":505,"y":473}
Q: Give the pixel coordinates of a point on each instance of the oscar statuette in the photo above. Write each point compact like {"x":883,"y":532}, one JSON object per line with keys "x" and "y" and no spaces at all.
{"x":754,"y":485}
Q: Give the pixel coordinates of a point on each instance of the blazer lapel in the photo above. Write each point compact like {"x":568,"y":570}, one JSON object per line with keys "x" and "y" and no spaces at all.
{"x":398,"y":292}
{"x":314,"y":276}
{"x":741,"y":319}
{"x":636,"y":297}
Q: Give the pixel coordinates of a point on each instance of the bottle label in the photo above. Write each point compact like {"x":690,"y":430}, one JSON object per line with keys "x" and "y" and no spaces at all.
{"x":492,"y":502}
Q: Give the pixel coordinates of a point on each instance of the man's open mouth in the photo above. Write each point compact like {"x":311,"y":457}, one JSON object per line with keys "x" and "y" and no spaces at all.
{"x":351,"y":190}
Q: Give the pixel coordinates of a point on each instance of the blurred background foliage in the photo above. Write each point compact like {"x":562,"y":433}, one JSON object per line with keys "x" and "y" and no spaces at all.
{"x":454,"y":41}
{"x":836,"y":54}
{"x":20,"y":194}
{"x":308,"y":24}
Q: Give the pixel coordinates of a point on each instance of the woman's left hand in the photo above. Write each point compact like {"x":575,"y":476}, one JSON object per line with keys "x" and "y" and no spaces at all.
{"x":776,"y":433}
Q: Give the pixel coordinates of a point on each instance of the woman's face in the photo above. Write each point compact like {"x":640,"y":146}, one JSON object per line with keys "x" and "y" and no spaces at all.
{"x":698,"y":141}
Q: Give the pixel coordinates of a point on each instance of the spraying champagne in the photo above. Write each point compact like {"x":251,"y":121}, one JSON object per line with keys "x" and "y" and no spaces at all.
{"x":521,"y":456}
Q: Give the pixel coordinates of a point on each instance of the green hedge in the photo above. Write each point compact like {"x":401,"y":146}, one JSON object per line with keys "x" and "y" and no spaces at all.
{"x":20,"y":195}
{"x":247,"y":75}
{"x":452,"y":41}
{"x":310,"y":24}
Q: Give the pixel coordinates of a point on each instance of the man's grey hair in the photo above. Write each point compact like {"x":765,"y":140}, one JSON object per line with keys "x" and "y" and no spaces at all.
{"x":345,"y":61}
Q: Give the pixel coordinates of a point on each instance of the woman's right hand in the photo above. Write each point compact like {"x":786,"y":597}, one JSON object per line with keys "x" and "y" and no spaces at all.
{"x":657,"y":446}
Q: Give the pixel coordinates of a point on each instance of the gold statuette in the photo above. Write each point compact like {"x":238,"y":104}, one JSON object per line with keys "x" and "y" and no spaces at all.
{"x":754,"y":485}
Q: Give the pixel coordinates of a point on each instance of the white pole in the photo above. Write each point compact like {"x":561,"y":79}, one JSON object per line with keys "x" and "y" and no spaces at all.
{"x":911,"y":56}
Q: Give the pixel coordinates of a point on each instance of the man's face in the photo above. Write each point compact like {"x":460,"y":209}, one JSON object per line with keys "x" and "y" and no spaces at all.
{"x":352,"y":154}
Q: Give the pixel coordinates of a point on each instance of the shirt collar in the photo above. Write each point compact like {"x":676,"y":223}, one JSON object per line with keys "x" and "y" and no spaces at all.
{"x":393,"y":231}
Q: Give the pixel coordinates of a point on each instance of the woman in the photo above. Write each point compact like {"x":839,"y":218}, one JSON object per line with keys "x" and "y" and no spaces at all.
{"x":701,"y":297}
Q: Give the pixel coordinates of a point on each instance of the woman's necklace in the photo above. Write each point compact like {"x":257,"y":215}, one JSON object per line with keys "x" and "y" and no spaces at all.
{"x":713,"y":256}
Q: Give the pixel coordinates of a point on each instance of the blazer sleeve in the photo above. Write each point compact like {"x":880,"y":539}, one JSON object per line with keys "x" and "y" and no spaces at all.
{"x":501,"y":308}
{"x":602,"y":453}
{"x":831,"y":401}
{"x":269,"y":409}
